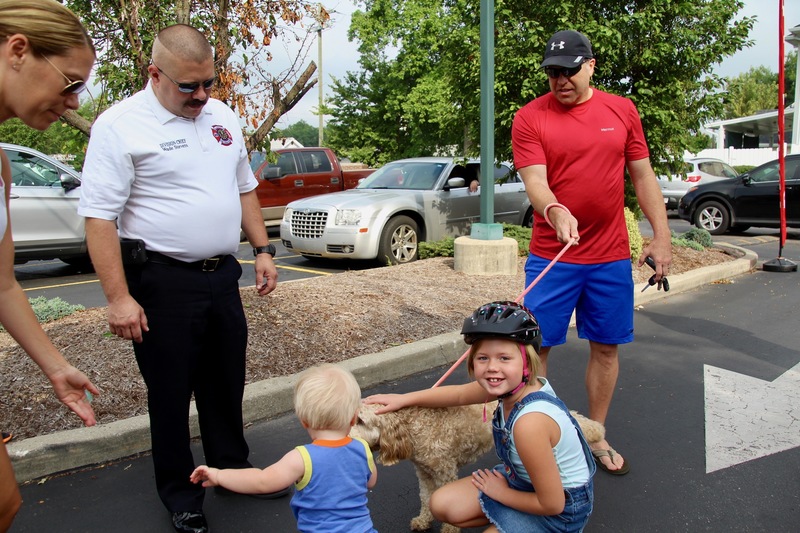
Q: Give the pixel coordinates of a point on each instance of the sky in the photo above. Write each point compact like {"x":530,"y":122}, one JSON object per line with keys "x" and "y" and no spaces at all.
{"x":340,"y":56}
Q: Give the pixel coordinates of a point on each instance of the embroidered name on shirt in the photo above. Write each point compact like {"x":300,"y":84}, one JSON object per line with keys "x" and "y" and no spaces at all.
{"x":606,"y":129}
{"x":174,"y":145}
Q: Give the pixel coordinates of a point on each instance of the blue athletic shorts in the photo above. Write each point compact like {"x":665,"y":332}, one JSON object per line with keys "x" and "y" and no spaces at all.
{"x":601,"y":296}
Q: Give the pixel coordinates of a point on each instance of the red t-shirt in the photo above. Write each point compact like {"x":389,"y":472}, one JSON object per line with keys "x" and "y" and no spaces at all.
{"x":585,"y":148}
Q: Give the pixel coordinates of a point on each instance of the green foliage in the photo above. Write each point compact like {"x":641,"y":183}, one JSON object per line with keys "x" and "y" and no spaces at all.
{"x":305,"y":133}
{"x":751,"y":92}
{"x":60,"y":138}
{"x":634,"y":235}
{"x":442,"y":248}
{"x":426,"y":97}
{"x":686,"y":243}
{"x":698,"y":235}
{"x":53,"y":309}
{"x":520,"y":234}
{"x":446,"y":246}
{"x":741,"y":169}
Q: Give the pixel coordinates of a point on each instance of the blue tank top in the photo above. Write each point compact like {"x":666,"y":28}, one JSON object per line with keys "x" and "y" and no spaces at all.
{"x":332,"y":495}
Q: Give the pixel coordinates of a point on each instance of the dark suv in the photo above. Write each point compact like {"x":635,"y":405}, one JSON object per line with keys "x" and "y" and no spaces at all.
{"x":751,"y":199}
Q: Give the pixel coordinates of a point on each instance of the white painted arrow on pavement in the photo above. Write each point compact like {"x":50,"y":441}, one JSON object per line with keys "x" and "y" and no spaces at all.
{"x":748,"y":418}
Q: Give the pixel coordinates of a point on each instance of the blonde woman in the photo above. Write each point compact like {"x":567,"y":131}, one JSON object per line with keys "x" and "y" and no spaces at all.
{"x":45,"y":59}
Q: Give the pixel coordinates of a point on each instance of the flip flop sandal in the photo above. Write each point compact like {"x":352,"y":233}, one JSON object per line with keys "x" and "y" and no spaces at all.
{"x":610,"y":453}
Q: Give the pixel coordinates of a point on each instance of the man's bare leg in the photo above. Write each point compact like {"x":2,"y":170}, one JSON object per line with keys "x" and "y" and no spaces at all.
{"x":601,"y":379}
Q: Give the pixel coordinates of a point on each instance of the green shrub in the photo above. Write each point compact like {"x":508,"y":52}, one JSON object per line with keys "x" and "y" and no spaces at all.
{"x":443,"y":248}
{"x":741,"y":169}
{"x":49,"y":310}
{"x":686,"y":243}
{"x":520,"y":234}
{"x":698,"y":235}
{"x":446,"y":246}
{"x":634,"y":235}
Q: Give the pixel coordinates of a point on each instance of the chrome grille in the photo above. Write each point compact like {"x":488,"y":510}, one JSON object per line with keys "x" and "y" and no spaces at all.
{"x":309,"y":224}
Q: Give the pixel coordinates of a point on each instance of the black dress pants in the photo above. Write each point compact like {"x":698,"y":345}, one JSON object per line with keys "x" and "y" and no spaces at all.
{"x":196,"y":345}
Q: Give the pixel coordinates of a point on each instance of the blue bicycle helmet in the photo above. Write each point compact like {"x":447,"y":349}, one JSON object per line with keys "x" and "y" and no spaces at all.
{"x":503,"y":320}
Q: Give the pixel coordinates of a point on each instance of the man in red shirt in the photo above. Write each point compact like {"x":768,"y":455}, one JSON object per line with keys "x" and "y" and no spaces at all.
{"x":571,"y":148}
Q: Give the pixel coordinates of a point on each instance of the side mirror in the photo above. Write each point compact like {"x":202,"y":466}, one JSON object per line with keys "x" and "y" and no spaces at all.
{"x":455,"y":183}
{"x":746,"y":179}
{"x":271,"y":173}
{"x":69,"y":182}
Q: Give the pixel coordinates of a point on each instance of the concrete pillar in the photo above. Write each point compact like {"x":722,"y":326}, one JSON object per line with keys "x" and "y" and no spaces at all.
{"x":486,"y":257}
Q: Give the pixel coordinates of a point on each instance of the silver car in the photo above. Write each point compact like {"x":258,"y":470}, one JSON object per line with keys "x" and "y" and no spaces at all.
{"x":694,"y":171}
{"x":44,"y":208}
{"x":400,"y":205}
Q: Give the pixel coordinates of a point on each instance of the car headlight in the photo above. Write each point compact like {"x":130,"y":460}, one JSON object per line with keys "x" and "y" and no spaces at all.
{"x":348,"y":217}
{"x":287,"y":214}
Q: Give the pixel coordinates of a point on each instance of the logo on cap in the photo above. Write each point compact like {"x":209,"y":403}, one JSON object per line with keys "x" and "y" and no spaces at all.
{"x":560,"y":45}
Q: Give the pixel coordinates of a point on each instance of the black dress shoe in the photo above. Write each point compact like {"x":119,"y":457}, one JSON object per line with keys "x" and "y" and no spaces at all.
{"x":262,"y":496}
{"x":190,"y":522}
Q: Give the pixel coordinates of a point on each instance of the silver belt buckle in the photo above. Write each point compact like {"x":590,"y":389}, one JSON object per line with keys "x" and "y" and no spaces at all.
{"x":210,"y":264}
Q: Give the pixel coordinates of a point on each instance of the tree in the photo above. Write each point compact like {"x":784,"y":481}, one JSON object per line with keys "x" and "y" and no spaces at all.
{"x":60,"y":138}
{"x":750,"y":92}
{"x":660,"y":53}
{"x":302,"y":131}
{"x":241,"y":32}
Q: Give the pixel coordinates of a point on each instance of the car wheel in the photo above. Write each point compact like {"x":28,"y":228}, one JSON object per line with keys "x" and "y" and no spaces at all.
{"x":712,"y":216}
{"x":399,"y":241}
{"x":527,"y":222}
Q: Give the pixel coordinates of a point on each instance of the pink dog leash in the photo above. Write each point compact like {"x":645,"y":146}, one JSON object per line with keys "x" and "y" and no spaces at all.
{"x":518,"y":299}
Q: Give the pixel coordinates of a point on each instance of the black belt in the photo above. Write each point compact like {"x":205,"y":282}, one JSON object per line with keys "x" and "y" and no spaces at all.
{"x":206,"y":265}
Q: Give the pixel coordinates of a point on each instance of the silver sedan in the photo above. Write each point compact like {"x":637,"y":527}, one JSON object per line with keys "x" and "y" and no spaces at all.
{"x":44,"y":208}
{"x":400,"y":205}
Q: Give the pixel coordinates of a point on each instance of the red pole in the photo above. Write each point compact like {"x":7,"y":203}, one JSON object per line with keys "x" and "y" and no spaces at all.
{"x":781,"y":126}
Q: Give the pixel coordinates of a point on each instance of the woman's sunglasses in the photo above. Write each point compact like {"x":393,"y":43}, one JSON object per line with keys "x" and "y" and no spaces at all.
{"x":72,"y":87}
{"x":557,"y":72}
{"x":189,"y":88}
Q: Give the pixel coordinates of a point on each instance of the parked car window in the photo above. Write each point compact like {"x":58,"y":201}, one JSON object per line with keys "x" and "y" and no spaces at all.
{"x":28,"y":170}
{"x":422,"y":176}
{"x":717,"y":168}
{"x":316,"y":161}
{"x":287,"y":164}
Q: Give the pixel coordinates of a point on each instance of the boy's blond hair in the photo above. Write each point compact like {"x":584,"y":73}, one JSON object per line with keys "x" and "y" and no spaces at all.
{"x":327,"y":396}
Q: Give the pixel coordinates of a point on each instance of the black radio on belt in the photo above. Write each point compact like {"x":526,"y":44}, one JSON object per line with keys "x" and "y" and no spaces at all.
{"x":133,"y":251}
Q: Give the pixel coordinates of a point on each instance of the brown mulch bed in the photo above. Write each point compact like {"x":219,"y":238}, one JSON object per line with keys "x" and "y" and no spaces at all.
{"x":322,"y":319}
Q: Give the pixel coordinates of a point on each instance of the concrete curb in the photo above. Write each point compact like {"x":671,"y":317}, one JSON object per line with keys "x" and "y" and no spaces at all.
{"x":67,"y":450}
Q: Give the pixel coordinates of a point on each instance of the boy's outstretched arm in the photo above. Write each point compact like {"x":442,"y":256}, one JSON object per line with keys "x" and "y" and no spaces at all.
{"x":275,"y":477}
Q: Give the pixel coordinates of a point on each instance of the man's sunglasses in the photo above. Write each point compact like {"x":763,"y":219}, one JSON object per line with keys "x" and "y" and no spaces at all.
{"x":189,"y":88}
{"x":72,"y":87}
{"x":556,"y":72}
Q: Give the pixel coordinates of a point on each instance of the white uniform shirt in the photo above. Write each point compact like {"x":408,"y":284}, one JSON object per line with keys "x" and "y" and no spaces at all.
{"x":170,"y":181}
{"x":3,"y":210}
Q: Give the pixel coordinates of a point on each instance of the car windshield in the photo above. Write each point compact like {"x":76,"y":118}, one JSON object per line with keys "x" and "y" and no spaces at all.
{"x":420,"y":175}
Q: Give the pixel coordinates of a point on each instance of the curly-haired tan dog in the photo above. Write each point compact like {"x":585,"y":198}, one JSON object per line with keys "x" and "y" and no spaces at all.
{"x":438,"y":441}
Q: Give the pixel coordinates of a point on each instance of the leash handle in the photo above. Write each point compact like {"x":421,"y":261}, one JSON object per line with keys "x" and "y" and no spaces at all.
{"x":518,"y":299}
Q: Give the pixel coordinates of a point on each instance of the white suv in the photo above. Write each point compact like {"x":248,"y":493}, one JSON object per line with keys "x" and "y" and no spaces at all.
{"x":695,"y":171}
{"x":44,"y":208}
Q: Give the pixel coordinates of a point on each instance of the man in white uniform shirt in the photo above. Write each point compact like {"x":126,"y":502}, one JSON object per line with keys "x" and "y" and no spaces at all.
{"x":168,"y":167}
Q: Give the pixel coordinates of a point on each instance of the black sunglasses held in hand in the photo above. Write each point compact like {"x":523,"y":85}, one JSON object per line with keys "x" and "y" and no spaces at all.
{"x":189,"y":88}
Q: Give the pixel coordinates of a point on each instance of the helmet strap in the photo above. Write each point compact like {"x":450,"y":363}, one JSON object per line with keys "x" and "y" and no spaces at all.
{"x":526,"y":375}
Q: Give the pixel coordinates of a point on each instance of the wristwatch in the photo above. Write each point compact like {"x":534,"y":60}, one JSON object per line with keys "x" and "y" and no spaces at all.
{"x":268,"y":249}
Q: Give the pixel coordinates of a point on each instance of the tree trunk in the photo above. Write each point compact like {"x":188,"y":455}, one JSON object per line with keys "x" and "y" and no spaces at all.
{"x":281,"y":106}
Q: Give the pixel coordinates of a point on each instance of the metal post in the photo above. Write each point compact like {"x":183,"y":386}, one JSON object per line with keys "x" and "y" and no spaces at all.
{"x":487,"y":229}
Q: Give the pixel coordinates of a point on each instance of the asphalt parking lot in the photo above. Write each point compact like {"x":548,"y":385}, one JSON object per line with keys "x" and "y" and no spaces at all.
{"x":705,"y":411}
